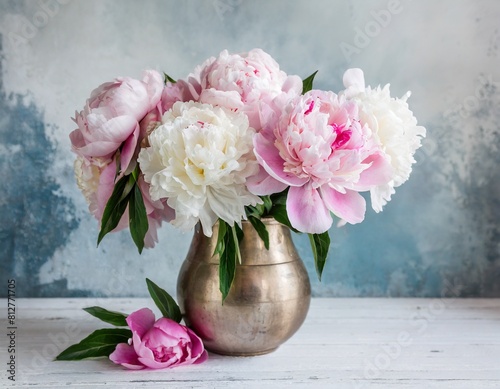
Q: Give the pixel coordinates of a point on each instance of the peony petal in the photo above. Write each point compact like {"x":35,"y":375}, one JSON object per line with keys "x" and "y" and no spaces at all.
{"x":293,"y":84}
{"x":349,"y":206}
{"x":125,"y":355}
{"x":154,"y":86}
{"x":171,"y":328}
{"x":141,"y":321}
{"x":354,"y":78}
{"x":97,"y":149}
{"x":153,"y":364}
{"x":156,"y":338}
{"x":129,"y":148}
{"x":198,"y":351}
{"x":142,"y":351}
{"x":77,"y":139}
{"x":307,"y":211}
{"x":115,"y":130}
{"x":380,"y":172}
{"x":263,"y":184}
{"x":268,"y":156}
{"x":227,"y":99}
{"x":131,"y":98}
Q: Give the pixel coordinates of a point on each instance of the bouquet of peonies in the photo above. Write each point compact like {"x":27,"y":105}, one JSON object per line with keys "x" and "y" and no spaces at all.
{"x":239,"y":139}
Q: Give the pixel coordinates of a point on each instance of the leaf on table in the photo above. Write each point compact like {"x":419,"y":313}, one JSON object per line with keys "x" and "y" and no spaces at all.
{"x":165,"y":303}
{"x":100,"y":343}
{"x":111,"y":317}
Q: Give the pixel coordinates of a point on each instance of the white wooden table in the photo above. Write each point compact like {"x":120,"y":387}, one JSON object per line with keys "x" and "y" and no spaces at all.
{"x":344,"y":343}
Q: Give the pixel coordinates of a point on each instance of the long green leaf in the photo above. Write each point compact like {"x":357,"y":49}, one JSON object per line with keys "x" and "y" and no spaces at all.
{"x":100,"y":343}
{"x":278,"y":211}
{"x":307,"y":84}
{"x":111,"y":317}
{"x":261,"y":230}
{"x":116,"y":206}
{"x":165,"y":303}
{"x":138,"y":218}
{"x":320,"y":243}
{"x":227,"y":257}
{"x":221,"y":243}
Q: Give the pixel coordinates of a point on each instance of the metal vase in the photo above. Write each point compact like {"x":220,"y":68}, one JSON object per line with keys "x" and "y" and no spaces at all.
{"x":268,"y":300}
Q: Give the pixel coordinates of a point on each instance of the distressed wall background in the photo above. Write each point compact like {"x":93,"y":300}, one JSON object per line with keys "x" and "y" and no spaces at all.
{"x":438,"y":235}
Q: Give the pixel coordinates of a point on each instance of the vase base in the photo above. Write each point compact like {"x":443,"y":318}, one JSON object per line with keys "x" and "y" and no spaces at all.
{"x":242,"y":354}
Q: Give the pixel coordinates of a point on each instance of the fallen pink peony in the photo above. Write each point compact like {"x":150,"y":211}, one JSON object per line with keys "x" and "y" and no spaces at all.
{"x":159,"y":344}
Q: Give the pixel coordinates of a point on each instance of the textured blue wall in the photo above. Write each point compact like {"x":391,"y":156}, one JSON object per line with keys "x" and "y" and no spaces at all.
{"x":438,"y":234}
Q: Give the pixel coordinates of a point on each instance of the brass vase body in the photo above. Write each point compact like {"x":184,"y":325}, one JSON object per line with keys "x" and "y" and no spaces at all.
{"x":268,"y":300}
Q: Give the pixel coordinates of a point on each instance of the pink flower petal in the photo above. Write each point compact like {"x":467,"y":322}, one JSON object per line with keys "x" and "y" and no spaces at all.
{"x":268,"y":156}
{"x":307,"y":211}
{"x":263,"y":184}
{"x":142,"y":351}
{"x":141,"y":321}
{"x":97,"y":149}
{"x":379,"y":173}
{"x":115,"y":130}
{"x":77,"y":139}
{"x":125,"y":355}
{"x":293,"y":84}
{"x":153,"y":364}
{"x":228,"y":99}
{"x":350,"y":206}
{"x":154,"y":85}
{"x":171,"y":327}
{"x":129,"y":148}
{"x":198,"y":351}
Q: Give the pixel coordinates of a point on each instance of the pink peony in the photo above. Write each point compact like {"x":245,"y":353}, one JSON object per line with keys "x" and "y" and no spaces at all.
{"x":158,"y":345}
{"x":244,"y":82}
{"x":116,"y":117}
{"x":110,"y":119}
{"x":321,"y":151}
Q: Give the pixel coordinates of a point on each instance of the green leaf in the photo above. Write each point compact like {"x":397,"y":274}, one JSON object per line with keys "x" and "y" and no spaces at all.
{"x":307,"y":84}
{"x":116,"y":206}
{"x":320,"y":243}
{"x":227,"y":257}
{"x":221,"y":243}
{"x":281,"y":215}
{"x":252,"y":212}
{"x":166,"y":77}
{"x":261,"y":230}
{"x":114,"y":318}
{"x":268,"y":203}
{"x":279,"y":198}
{"x":100,"y":343}
{"x":138,"y":218}
{"x":165,"y":303}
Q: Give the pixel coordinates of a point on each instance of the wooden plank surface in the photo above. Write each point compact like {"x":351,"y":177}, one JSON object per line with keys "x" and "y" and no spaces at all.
{"x":344,"y":343}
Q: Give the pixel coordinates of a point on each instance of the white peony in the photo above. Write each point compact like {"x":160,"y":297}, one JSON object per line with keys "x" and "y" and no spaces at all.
{"x":87,"y":176}
{"x":394,"y":128}
{"x":199,"y":160}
